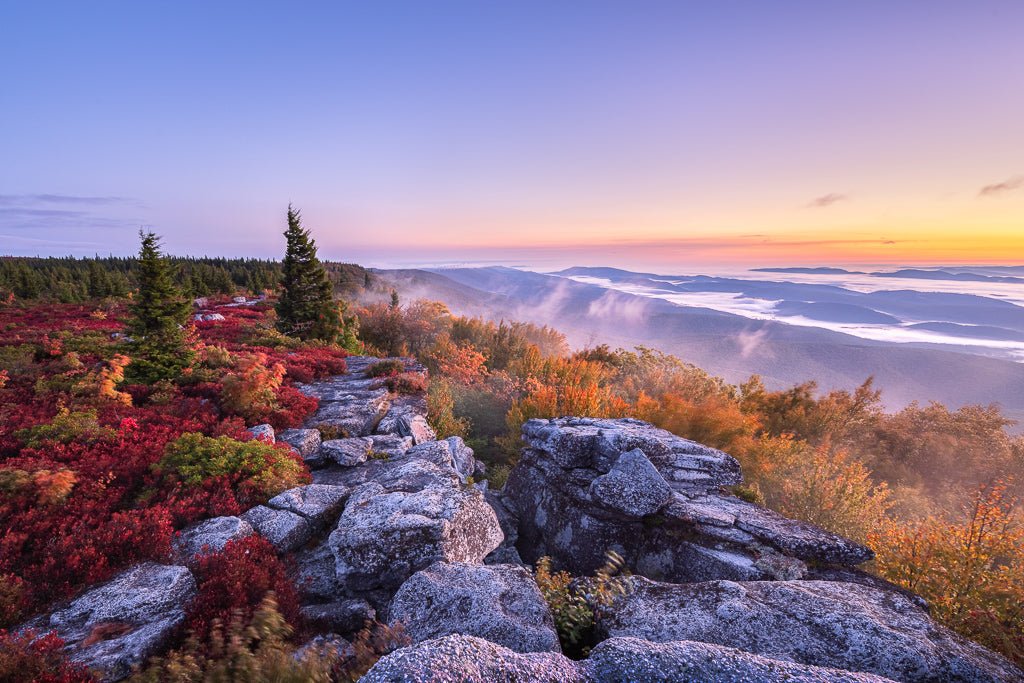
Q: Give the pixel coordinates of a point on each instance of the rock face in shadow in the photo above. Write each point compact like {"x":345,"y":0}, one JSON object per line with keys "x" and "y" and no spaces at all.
{"x":498,"y":602}
{"x":123,"y":622}
{"x":586,"y":485}
{"x":821,"y":623}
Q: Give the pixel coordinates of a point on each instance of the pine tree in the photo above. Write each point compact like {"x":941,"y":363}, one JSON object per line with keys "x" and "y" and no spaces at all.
{"x":160,"y":348}
{"x":306,"y":308}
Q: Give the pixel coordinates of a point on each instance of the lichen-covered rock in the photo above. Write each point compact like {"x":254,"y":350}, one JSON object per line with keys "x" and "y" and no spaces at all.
{"x":285,"y":530}
{"x":631,"y":660}
{"x":263,"y":432}
{"x":319,"y":503}
{"x":632,"y":486}
{"x":452,"y":453}
{"x":343,"y":616}
{"x":208,"y":536}
{"x":123,"y":622}
{"x":407,"y":417}
{"x":347,"y":452}
{"x":468,"y":659}
{"x":821,"y":623}
{"x":306,"y":442}
{"x":498,"y":602}
{"x":391,"y":529}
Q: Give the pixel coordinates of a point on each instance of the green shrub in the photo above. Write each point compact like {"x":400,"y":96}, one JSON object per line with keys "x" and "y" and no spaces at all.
{"x":260,"y":470}
{"x":385,"y":368}
{"x":67,"y":427}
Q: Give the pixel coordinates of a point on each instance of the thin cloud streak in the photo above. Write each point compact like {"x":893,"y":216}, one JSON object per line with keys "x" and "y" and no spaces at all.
{"x":1015,"y":183}
{"x":827,"y":200}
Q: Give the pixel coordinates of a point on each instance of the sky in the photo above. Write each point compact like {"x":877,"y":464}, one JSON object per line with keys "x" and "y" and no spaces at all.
{"x":637,"y":134}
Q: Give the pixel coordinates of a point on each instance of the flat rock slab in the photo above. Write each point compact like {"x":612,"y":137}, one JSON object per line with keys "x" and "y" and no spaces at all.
{"x":498,"y":602}
{"x":319,"y":503}
{"x":839,"y":625}
{"x":142,"y":607}
{"x":209,"y":536}
{"x":285,"y":530}
{"x":347,"y":452}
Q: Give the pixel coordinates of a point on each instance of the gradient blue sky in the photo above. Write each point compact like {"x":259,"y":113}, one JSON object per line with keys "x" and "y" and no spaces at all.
{"x":619,"y":133}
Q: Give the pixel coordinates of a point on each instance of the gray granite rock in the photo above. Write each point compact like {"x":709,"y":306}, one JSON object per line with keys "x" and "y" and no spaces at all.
{"x":343,"y":616}
{"x":263,"y":432}
{"x":139,"y":610}
{"x":632,"y":486}
{"x":208,"y":536}
{"x":631,"y":660}
{"x":391,"y":529}
{"x":285,"y":530}
{"x":468,"y":659}
{"x":452,"y":453}
{"x":347,"y":452}
{"x":318,"y":503}
{"x":499,"y":602}
{"x":839,"y":625}
{"x":306,"y":442}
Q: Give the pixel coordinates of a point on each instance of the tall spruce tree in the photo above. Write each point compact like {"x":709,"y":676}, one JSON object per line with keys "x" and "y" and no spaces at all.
{"x":306,"y":308}
{"x":160,"y":347}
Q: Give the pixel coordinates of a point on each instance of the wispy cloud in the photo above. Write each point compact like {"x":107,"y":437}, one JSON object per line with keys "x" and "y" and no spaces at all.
{"x":1015,"y":183}
{"x":42,"y":199}
{"x":827,"y":200}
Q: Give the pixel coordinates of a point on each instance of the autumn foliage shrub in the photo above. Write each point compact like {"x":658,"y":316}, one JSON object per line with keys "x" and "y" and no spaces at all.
{"x":254,"y":470}
{"x":242,"y":649}
{"x":385,"y":368}
{"x":235,"y":581}
{"x":250,"y":389}
{"x":40,"y":659}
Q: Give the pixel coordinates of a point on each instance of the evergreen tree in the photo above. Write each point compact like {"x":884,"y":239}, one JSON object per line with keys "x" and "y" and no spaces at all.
{"x":394,"y":300}
{"x":160,"y":348}
{"x":306,"y":308}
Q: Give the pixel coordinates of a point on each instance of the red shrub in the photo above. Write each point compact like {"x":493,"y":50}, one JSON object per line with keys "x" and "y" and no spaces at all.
{"x":40,"y":660}
{"x":237,"y":578}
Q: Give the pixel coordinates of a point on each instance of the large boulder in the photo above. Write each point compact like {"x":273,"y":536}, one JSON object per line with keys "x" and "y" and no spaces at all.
{"x":468,"y":659}
{"x":498,"y":602}
{"x":409,"y":518}
{"x":208,"y":536}
{"x":631,"y":660}
{"x":347,"y":452}
{"x":822,"y":623}
{"x":120,"y":624}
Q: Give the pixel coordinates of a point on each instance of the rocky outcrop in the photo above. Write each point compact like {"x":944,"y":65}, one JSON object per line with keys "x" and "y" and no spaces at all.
{"x":208,"y":536}
{"x":123,"y":622}
{"x":468,"y":659}
{"x":500,"y":603}
{"x":584,"y":486}
{"x":319,"y":504}
{"x":821,"y":623}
